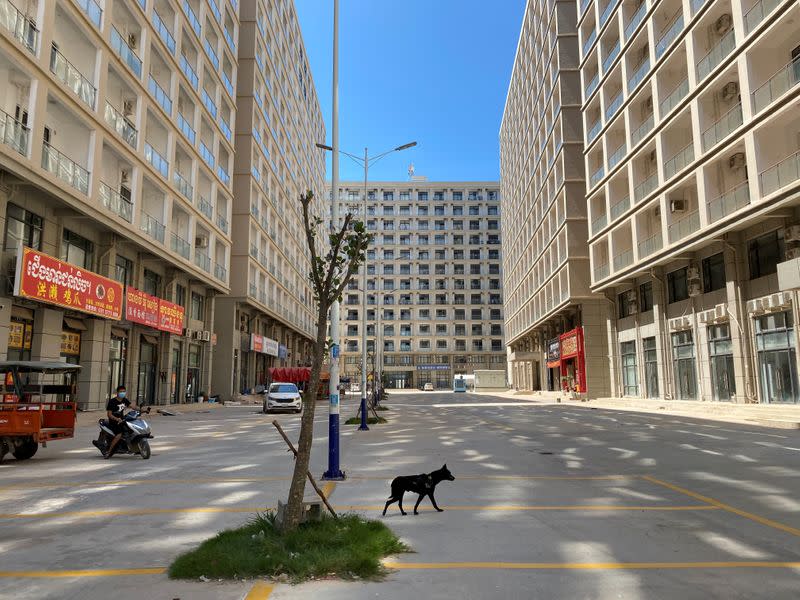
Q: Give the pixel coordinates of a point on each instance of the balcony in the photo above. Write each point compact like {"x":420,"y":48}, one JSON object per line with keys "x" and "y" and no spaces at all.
{"x":222,"y":222}
{"x":716,"y":55}
{"x":183,"y":185}
{"x":684,"y":226}
{"x":596,"y":177}
{"x":669,"y":35}
{"x":119,"y":123}
{"x":159,"y":94}
{"x":635,"y":21}
{"x":723,"y":127}
{"x":601,"y":272}
{"x":202,"y":260}
{"x":599,"y":223}
{"x":13,"y":133}
{"x":209,"y":103}
{"x":125,"y":52}
{"x":618,"y":209}
{"x":607,"y":11}
{"x":190,"y":73}
{"x":92,"y":11}
{"x":592,"y":85}
{"x":623,"y":260}
{"x":612,"y":55}
{"x":587,"y":45}
{"x":223,"y":175}
{"x":212,"y":55}
{"x":757,"y":13}
{"x":186,"y":129}
{"x":220,"y":272}
{"x":729,"y":202}
{"x":696,"y":5}
{"x":228,"y":85}
{"x":785,"y":79}
{"x":116,"y":202}
{"x":205,"y":207}
{"x":65,"y":168}
{"x":191,"y":17}
{"x":154,"y":158}
{"x":613,"y":106}
{"x":642,"y":69}
{"x":164,"y":33}
{"x":644,"y":189}
{"x":153,"y":228}
{"x":179,"y":245}
{"x":638,"y":134}
{"x":650,"y":245}
{"x":674,"y":98}
{"x":70,"y":76}
{"x":225,"y":128}
{"x":594,"y":130}
{"x":215,"y":9}
{"x":206,"y":154}
{"x":780,"y":175}
{"x":617,"y":156}
{"x":20,"y":27}
{"x":679,"y":161}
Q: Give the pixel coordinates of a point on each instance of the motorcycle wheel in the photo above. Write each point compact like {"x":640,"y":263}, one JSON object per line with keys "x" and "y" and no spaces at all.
{"x":144,"y":448}
{"x":25,"y":450}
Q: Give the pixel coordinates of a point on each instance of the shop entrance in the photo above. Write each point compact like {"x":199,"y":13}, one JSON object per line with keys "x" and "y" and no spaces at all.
{"x":117,"y":353}
{"x":175,"y":374}
{"x":146,"y":375}
{"x":193,"y":374}
{"x":776,"y":357}
{"x":401,"y":380}
{"x":720,"y":351}
{"x":684,"y":365}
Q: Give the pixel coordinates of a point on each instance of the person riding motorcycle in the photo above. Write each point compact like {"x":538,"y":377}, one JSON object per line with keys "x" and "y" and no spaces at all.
{"x":115,"y":410}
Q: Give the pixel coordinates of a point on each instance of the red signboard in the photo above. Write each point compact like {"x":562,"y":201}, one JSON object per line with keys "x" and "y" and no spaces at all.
{"x":46,"y":279}
{"x":256,"y":343}
{"x":141,"y":308}
{"x":170,"y":317}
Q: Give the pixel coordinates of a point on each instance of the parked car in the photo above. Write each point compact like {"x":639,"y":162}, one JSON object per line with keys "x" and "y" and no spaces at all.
{"x":283,"y":396}
{"x":428,"y":387}
{"x":355,"y":388}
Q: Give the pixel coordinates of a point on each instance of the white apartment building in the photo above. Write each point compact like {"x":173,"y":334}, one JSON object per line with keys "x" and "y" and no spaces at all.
{"x":692,"y":118}
{"x":434,"y":282}
{"x":268,"y":319}
{"x":116,"y":157}
{"x":555,"y":327}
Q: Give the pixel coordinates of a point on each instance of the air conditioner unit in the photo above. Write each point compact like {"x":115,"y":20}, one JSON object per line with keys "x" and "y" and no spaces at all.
{"x":730,"y":91}
{"x":692,"y":272}
{"x":188,"y":333}
{"x":128,"y":107}
{"x":201,"y":241}
{"x":776,"y":301}
{"x":736,"y":161}
{"x":133,"y":41}
{"x":206,"y":336}
{"x":723,"y":24}
{"x":680,"y":323}
{"x":792,"y":253}
{"x":755,"y":306}
{"x":705,"y":316}
{"x":695,"y":289}
{"x":792,"y":233}
{"x":677,"y":206}
{"x":720,"y":312}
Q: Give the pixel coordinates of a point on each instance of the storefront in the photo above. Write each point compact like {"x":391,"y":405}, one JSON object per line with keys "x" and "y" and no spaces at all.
{"x":777,"y":363}
{"x":400,"y":379}
{"x":683,"y":364}
{"x":573,"y":361}
{"x":193,"y":373}
{"x":117,"y":360}
{"x":553,"y":365}
{"x":720,"y":354}
{"x":20,"y":334}
{"x":436,"y":374}
{"x":264,"y":350}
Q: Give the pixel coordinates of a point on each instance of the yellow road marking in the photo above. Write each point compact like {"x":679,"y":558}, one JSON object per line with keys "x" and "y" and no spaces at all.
{"x":84,"y":573}
{"x":260,"y":591}
{"x":594,"y":566}
{"x":725,"y":507}
{"x":328,"y":489}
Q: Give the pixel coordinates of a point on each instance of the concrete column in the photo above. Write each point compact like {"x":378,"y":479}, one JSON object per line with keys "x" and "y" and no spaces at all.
{"x":47,"y":326}
{"x":223,"y":379}
{"x":93,"y":377}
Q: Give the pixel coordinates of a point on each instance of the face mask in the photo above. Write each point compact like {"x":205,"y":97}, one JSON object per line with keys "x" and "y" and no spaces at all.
{"x":122,"y":394}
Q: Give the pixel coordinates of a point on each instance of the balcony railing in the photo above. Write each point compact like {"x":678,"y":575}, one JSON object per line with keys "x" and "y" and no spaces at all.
{"x":620,"y":207}
{"x":121,"y":124}
{"x":152,"y":227}
{"x":650,"y":245}
{"x":202,"y":260}
{"x":594,"y":130}
{"x":228,"y":85}
{"x":13,"y":133}
{"x":644,"y":189}
{"x":222,"y":222}
{"x":756,"y":14}
{"x":592,"y":85}
{"x":154,"y":158}
{"x":20,"y":27}
{"x":596,"y":176}
{"x":159,"y":94}
{"x":674,"y":97}
{"x":205,"y":207}
{"x":209,"y":103}
{"x":179,"y":245}
{"x":225,"y":128}
{"x":212,"y":54}
{"x":92,"y":10}
{"x":635,"y":20}
{"x":125,"y":52}
{"x":205,"y":153}
{"x":183,"y":185}
{"x":617,"y":156}
{"x":609,"y":60}
{"x":716,"y":55}
{"x":613,"y":106}
{"x":696,"y":5}
{"x":223,"y":174}
{"x":670,"y":34}
{"x":601,"y":272}
{"x":186,"y":129}
{"x":604,"y":16}
{"x":70,"y":76}
{"x":599,"y":223}
{"x":776,"y":86}
{"x":728,"y":202}
{"x":723,"y":127}
{"x":589,"y":41}
{"x":220,"y":272}
{"x":780,"y":175}
{"x":191,"y":17}
{"x":65,"y":168}
{"x":215,"y":10}
{"x":684,"y":226}
{"x":680,"y":160}
{"x":116,"y":202}
{"x":623,"y":260}
{"x":190,"y":73}
{"x":642,"y":69}
{"x":164,"y":32}
{"x":638,"y":134}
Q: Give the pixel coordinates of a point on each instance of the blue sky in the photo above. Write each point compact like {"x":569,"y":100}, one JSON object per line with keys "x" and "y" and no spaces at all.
{"x":434,"y":71}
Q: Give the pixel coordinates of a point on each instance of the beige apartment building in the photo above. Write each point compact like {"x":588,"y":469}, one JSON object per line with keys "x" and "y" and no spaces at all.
{"x":116,"y":155}
{"x":692,"y":118}
{"x":267,"y":321}
{"x":555,"y":327}
{"x":434,"y":292}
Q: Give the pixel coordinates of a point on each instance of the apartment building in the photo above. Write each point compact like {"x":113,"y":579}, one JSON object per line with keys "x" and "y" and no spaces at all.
{"x":268,"y":318}
{"x":692,"y":136}
{"x":115,"y":168}
{"x":434,"y":293}
{"x":555,"y":327}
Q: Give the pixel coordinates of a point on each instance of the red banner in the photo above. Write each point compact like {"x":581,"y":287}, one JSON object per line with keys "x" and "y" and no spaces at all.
{"x":141,"y":308}
{"x":46,"y":279}
{"x":170,"y":317}
{"x":256,"y":343}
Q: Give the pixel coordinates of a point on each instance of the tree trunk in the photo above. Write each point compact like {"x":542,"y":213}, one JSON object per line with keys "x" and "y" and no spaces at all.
{"x":294,"y":507}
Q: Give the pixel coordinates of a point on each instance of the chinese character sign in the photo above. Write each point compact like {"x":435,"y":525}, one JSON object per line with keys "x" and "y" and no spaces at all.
{"x":170,"y":317}
{"x":46,"y":279}
{"x":141,"y":308}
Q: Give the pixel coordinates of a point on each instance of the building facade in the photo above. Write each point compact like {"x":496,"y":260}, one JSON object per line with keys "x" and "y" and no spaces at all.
{"x":268,"y":318}
{"x":555,"y":327}
{"x":692,"y":136}
{"x":115,"y":158}
{"x":434,"y":293}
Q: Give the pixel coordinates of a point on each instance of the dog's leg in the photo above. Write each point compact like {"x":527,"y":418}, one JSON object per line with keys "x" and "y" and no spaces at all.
{"x":421,"y":496}
{"x":400,"y":504}
{"x":388,"y":502}
{"x":433,"y":501}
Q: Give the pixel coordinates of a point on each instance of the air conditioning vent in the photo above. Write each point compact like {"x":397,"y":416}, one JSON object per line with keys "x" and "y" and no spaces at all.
{"x":648,"y":104}
{"x":128,"y":107}
{"x":736,"y":161}
{"x":653,"y":156}
{"x":201,"y":241}
{"x":730,"y":91}
{"x":133,"y":40}
{"x":720,"y":312}
{"x":206,"y":336}
{"x":677,"y":205}
{"x":723,"y":24}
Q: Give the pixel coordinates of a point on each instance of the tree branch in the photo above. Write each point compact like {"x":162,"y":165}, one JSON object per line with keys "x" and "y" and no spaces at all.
{"x":305,"y":200}
{"x":334,"y":253}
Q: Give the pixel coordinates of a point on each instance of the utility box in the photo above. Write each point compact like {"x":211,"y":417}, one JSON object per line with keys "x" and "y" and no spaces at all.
{"x":490,"y":380}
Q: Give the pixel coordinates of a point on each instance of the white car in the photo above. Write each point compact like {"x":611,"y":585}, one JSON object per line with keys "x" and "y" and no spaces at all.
{"x":428,"y":387}
{"x":283,"y":396}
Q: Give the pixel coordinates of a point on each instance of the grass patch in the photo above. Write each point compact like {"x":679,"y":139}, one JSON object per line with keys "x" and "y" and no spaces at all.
{"x":370,"y":421}
{"x":348,"y":548}
{"x":381,"y":407}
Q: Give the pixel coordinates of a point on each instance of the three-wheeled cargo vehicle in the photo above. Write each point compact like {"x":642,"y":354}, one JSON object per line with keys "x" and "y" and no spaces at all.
{"x":37,"y":405}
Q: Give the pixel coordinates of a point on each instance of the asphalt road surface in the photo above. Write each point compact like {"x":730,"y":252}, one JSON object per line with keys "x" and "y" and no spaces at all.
{"x":549,"y":502}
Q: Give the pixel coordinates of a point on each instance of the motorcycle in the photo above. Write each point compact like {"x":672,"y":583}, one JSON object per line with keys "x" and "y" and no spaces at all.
{"x":135,"y":435}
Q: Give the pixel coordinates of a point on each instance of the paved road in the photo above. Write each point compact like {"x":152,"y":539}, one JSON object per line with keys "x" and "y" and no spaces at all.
{"x":548,"y":502}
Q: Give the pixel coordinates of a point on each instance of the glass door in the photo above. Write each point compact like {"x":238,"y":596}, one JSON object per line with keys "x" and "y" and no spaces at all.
{"x":720,"y":351}
{"x":146,"y":376}
{"x":117,"y":353}
{"x":650,"y":366}
{"x":683,"y":362}
{"x":776,"y":357}
{"x":175,"y":375}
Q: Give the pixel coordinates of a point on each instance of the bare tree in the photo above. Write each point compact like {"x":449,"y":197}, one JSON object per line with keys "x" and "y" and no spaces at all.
{"x":330,"y":274}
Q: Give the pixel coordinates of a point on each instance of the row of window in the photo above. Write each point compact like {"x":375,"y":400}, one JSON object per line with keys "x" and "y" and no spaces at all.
{"x":441,"y":299}
{"x":405,"y":346}
{"x":425,"y":329}
{"x":424,"y":314}
{"x":437,"y":225}
{"x":491,"y":195}
{"x":442,"y":359}
{"x":423,"y":211}
{"x":439,"y":239}
{"x":425,"y":284}
{"x":475,"y":254}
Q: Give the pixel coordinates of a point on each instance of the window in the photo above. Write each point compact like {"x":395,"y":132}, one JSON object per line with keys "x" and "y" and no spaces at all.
{"x":720,"y":352}
{"x":495,"y":329}
{"x":422,"y":196}
{"x":475,"y":299}
{"x":180,"y":295}
{"x":388,"y":196}
{"x":441,"y":344}
{"x":198,"y":310}
{"x":77,"y":250}
{"x":458,"y":211}
{"x":476,"y":314}
{"x":476,"y":329}
{"x":422,"y":211}
{"x":646,"y":296}
{"x":458,"y":240}
{"x":458,"y":196}
{"x":22,"y":227}
{"x":474,"y":269}
{"x":460,"y":329}
{"x":459,"y":314}
{"x":650,"y":366}
{"x":424,"y":344}
{"x":424,"y":313}
{"x":441,"y":329}
{"x":497,"y":345}
{"x":151,"y":283}
{"x":494,"y":254}
{"x":625,"y":308}
{"x":352,"y":330}
{"x":630,"y":386}
{"x":495,"y":314}
{"x":474,"y":254}
{"x":677,"y":286}
{"x":684,"y":365}
{"x":764,"y":253}
{"x":458,"y":255}
{"x":477,"y":345}
{"x":123,"y":271}
{"x":713,"y":273}
{"x":474,"y":210}
{"x":474,"y":284}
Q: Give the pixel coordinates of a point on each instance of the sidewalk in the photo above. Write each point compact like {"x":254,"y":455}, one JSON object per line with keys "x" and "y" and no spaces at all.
{"x":90,"y":417}
{"x":765,"y":415}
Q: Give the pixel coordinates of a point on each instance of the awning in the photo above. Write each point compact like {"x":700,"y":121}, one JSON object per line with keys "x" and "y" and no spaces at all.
{"x":119,"y":333}
{"x":291,"y":374}
{"x":150,"y":339}
{"x":76,"y":324}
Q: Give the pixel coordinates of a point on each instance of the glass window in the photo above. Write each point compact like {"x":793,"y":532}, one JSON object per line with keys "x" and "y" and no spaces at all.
{"x":630,"y":385}
{"x":713,"y":273}
{"x":684,"y":365}
{"x":198,"y":307}
{"x":720,"y":351}
{"x":775,"y":342}
{"x":650,"y":366}
{"x":151,"y":283}
{"x":677,"y":285}
{"x":123,"y":270}
{"x":646,"y":296}
{"x":22,"y":227}
{"x":764,"y":253}
{"x":77,"y":250}
{"x":626,"y":307}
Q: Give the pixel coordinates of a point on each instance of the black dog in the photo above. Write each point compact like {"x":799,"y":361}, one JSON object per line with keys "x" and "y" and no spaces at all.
{"x":424,"y":485}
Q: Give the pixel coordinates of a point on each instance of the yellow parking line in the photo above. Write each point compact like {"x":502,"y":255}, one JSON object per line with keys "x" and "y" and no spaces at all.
{"x":594,"y":566}
{"x":83,"y":573}
{"x":260,"y":591}
{"x":725,"y":507}
{"x":328,"y":489}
